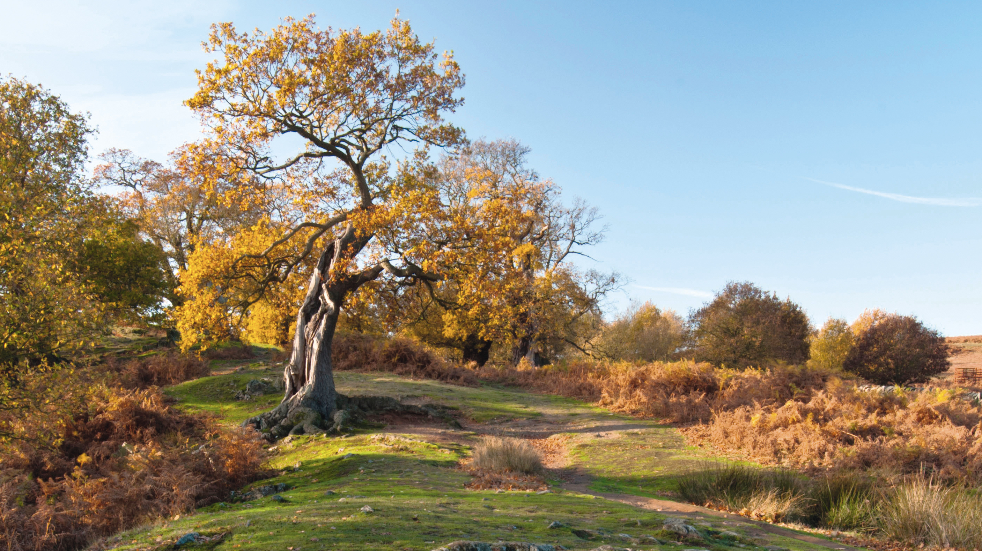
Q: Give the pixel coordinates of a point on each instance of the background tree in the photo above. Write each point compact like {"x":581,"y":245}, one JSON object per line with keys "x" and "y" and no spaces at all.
{"x":897,"y":350}
{"x":643,"y":333}
{"x":127,"y":275}
{"x":744,"y":326}
{"x":830,"y":346}
{"x":530,"y":299}
{"x":70,"y":262}
{"x":44,"y":209}
{"x":347,"y":96}
{"x":172,"y":207}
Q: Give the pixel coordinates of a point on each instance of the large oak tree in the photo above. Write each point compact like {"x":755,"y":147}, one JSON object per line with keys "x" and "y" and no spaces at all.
{"x":352,"y":101}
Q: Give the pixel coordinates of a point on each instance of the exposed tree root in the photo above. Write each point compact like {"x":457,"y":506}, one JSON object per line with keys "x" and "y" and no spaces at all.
{"x":293,"y":417}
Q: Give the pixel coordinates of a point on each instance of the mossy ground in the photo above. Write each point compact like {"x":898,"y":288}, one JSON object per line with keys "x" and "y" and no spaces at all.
{"x":416,"y":489}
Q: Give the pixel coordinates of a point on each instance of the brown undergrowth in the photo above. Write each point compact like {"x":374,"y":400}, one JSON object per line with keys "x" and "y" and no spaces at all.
{"x":782,"y":415}
{"x":357,"y":352}
{"x":156,"y":370}
{"x":80,"y":459}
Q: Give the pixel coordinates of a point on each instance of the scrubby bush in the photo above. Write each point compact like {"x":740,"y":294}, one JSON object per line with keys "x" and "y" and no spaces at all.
{"x":80,"y":460}
{"x":506,"y":455}
{"x":830,"y":346}
{"x":642,"y":334}
{"x":896,"y":350}
{"x":744,"y":326}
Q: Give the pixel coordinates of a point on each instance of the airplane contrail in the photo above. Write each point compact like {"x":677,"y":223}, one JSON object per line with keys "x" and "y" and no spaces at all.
{"x":936,"y":201}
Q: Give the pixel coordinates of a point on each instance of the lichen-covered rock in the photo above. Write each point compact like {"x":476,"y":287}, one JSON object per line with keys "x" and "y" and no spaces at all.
{"x":258,"y":492}
{"x":680,"y":527}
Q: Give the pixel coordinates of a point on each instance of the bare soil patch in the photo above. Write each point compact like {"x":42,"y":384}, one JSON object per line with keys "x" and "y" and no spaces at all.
{"x":966,"y":354}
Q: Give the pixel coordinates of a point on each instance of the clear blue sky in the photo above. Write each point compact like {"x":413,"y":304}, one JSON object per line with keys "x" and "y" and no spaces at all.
{"x":829,"y":152}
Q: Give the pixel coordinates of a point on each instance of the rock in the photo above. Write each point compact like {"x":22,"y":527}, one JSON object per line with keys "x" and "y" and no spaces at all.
{"x":258,"y":492}
{"x":680,"y":527}
{"x":279,"y":498}
{"x":539,"y":493}
{"x":347,"y":455}
{"x":258,"y":387}
{"x":330,"y":493}
{"x":556,"y":524}
{"x":585,"y":534}
{"x":728,"y":534}
{"x":342,"y":421}
{"x":190,"y":537}
{"x":367,"y":509}
{"x":609,"y":548}
{"x":775,"y":548}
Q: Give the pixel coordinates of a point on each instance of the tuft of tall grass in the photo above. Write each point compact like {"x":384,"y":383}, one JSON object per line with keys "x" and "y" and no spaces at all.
{"x":917,"y":510}
{"x":923,"y":511}
{"x":769,"y":495}
{"x":507,"y":455}
{"x":845,"y":502}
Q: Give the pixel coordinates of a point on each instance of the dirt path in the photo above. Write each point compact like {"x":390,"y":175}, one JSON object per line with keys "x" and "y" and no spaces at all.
{"x":752,"y":528}
{"x":554,"y":421}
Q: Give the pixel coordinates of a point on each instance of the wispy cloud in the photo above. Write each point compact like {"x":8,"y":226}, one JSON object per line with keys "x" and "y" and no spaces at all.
{"x":677,"y":291}
{"x":936,"y":201}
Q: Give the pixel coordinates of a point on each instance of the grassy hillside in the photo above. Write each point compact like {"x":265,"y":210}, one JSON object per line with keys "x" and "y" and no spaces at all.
{"x":400,"y":486}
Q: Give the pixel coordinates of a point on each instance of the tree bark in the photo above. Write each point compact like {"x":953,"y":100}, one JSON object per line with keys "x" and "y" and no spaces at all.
{"x":476,"y":349}
{"x":310,"y":401}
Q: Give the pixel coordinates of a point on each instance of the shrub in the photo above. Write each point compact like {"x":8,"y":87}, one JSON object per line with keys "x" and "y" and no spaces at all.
{"x":507,"y":455}
{"x":829,"y":348}
{"x":744,"y":326}
{"x":896,"y":350}
{"x":642,"y":334}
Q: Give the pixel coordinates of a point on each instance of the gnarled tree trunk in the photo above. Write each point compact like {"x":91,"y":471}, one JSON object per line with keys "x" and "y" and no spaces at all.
{"x":310,"y":403}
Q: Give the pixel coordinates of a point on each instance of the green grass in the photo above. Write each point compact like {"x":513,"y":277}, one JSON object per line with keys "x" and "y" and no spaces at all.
{"x":416,"y":489}
{"x":646,"y":461}
{"x":400,"y":478}
{"x":483,"y":404}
